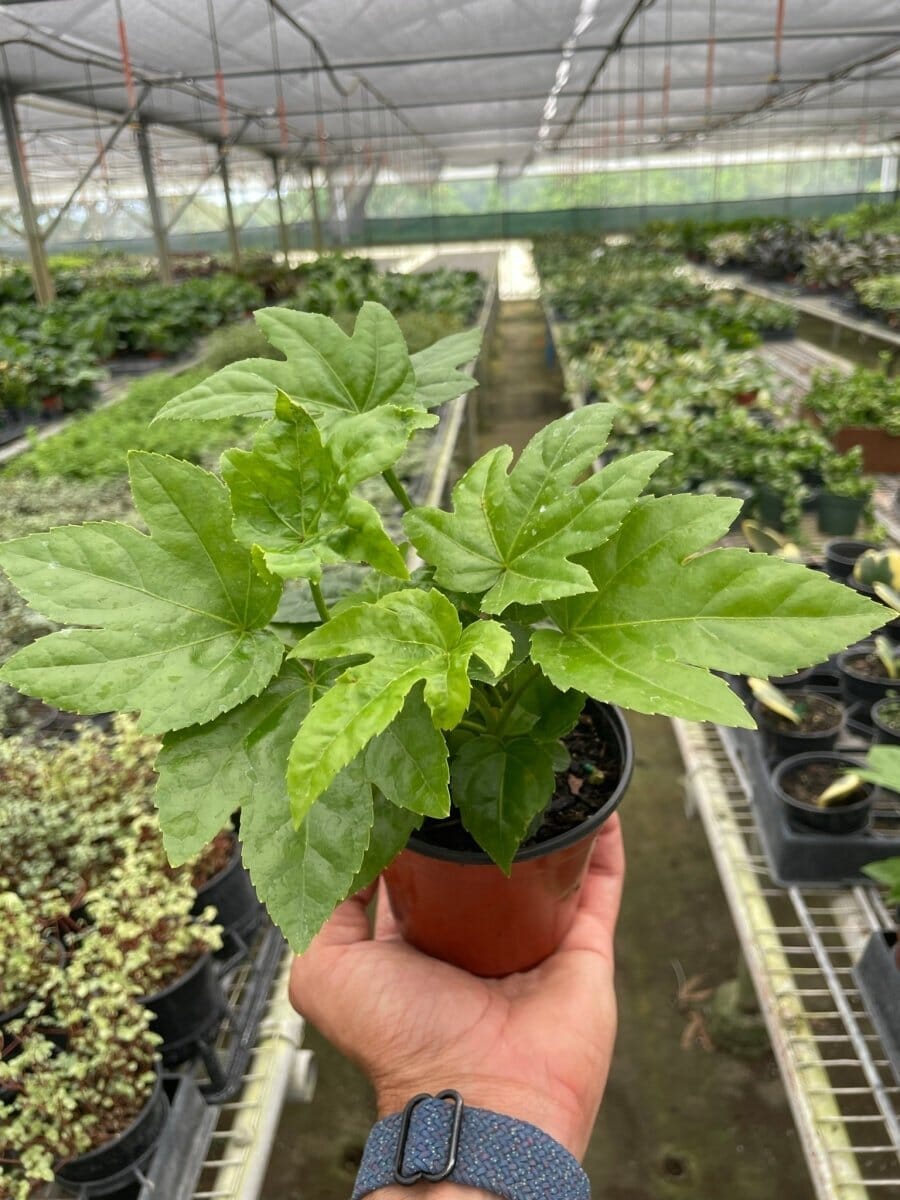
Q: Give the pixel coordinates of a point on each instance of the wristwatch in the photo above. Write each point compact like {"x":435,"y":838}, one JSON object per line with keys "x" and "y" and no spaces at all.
{"x":439,"y":1138}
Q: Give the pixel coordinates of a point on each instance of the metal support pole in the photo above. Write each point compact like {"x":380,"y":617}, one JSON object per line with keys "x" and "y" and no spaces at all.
{"x":316,"y":220}
{"x":40,"y":271}
{"x":234,"y":240}
{"x":283,"y":233}
{"x":160,"y":236}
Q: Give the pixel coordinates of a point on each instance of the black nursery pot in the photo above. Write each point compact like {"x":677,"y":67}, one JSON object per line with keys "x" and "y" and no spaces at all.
{"x":110,"y":1168}
{"x":841,"y":554}
{"x":187,"y":1010}
{"x":838,"y":514}
{"x":843,"y":818}
{"x":778,"y":744}
{"x":231,"y":893}
{"x":855,"y":685}
{"x":885,"y":735}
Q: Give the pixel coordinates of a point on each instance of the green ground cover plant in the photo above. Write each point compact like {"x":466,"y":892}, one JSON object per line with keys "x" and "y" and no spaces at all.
{"x":867,"y":397}
{"x":544,"y":584}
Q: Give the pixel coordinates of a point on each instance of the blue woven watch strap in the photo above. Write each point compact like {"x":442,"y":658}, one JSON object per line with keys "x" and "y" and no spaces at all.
{"x":496,"y":1153}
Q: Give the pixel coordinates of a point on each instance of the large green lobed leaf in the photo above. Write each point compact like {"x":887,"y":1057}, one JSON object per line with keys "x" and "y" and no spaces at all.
{"x":512,"y":534}
{"x":663,"y":615}
{"x":177,"y":618}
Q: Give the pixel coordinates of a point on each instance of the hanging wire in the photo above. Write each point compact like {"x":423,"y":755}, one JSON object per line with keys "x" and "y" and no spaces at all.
{"x":280,"y":107}
{"x":217,"y":67}
{"x":98,"y":126}
{"x":127,"y":70}
{"x":667,"y":74}
{"x":710,"y":60}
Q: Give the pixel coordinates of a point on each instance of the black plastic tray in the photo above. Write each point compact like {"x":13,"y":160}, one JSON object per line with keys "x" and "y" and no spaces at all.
{"x":878,"y":981}
{"x":798,"y":857}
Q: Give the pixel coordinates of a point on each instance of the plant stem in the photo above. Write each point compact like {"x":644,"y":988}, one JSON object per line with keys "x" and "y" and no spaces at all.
{"x":319,"y":600}
{"x":397,"y":488}
{"x":529,"y":674}
{"x":472,"y":726}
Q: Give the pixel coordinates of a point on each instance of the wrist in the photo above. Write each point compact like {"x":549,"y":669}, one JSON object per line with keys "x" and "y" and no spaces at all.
{"x":562,"y":1120}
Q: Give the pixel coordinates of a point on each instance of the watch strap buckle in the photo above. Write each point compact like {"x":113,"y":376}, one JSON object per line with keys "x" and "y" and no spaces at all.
{"x":408,"y":1178}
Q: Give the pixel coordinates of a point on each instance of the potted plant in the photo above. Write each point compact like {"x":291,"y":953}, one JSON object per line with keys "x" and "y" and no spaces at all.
{"x":221,"y":882}
{"x":886,"y":720}
{"x":89,"y":1115}
{"x":463,"y":692}
{"x":845,"y":494}
{"x":869,"y":671}
{"x":824,"y":792}
{"x":144,"y":930}
{"x":26,"y":958}
{"x":841,"y":554}
{"x":795,"y":723}
{"x":68,"y":813}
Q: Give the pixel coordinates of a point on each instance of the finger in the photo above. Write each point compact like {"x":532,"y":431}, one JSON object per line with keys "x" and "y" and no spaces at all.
{"x":347,"y":926}
{"x":385,"y":922}
{"x":601,"y":894}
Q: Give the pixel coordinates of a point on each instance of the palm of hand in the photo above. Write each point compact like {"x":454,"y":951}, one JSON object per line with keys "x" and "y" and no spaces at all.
{"x":535,"y":1045}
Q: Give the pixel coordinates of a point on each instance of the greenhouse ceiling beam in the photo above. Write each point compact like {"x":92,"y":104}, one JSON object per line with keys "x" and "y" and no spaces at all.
{"x":283,"y":235}
{"x":95,"y":162}
{"x":783,"y":101}
{"x":157,"y":220}
{"x":157,"y":79}
{"x":37,"y":252}
{"x":234,"y":239}
{"x":97,"y":58}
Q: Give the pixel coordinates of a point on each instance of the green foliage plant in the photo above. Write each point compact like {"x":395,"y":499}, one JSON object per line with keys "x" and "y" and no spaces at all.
{"x":69,"y":1102}
{"x":24,"y":953}
{"x":545,"y":584}
{"x":143,"y":927}
{"x":68,"y":813}
{"x":868,"y":397}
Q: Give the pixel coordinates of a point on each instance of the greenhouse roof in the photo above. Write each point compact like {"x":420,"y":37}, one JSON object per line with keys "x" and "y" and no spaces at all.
{"x":420,"y":86}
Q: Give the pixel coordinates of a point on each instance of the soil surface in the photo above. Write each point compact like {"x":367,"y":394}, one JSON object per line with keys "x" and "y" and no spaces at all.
{"x":589,"y":780}
{"x":680,"y":1118}
{"x":817,"y":714}
{"x":869,"y":665}
{"x":213,"y":859}
{"x":809,"y":782}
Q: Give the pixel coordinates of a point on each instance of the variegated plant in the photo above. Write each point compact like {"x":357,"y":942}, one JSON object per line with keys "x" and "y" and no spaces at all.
{"x":544,"y":584}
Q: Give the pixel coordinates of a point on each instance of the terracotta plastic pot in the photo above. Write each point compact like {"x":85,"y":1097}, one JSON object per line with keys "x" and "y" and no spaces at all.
{"x":881,"y":450}
{"x":458,"y":906}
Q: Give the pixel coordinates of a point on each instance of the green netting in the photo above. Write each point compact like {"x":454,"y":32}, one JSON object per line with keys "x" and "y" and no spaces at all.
{"x":468,"y":227}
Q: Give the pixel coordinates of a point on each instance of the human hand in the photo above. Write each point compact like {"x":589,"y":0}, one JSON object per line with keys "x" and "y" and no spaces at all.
{"x":535,"y":1045}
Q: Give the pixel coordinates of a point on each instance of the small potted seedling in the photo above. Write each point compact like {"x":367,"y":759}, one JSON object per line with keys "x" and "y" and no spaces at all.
{"x":796,"y":723}
{"x":841,"y":555}
{"x":886,"y":720}
{"x":764,"y":540}
{"x":457,"y":725}
{"x":870,"y":671}
{"x":874,"y":569}
{"x":823,"y":792}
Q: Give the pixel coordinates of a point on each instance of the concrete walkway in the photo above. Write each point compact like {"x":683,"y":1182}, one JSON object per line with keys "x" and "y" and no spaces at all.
{"x":679,"y":1119}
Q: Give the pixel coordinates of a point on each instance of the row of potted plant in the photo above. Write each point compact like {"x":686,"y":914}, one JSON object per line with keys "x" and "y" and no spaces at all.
{"x":853,"y":255}
{"x":714,"y":410}
{"x":107,"y":953}
{"x":860,"y":409}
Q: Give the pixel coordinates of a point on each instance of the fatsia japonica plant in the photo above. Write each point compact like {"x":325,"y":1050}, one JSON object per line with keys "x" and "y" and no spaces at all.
{"x":546,"y":583}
